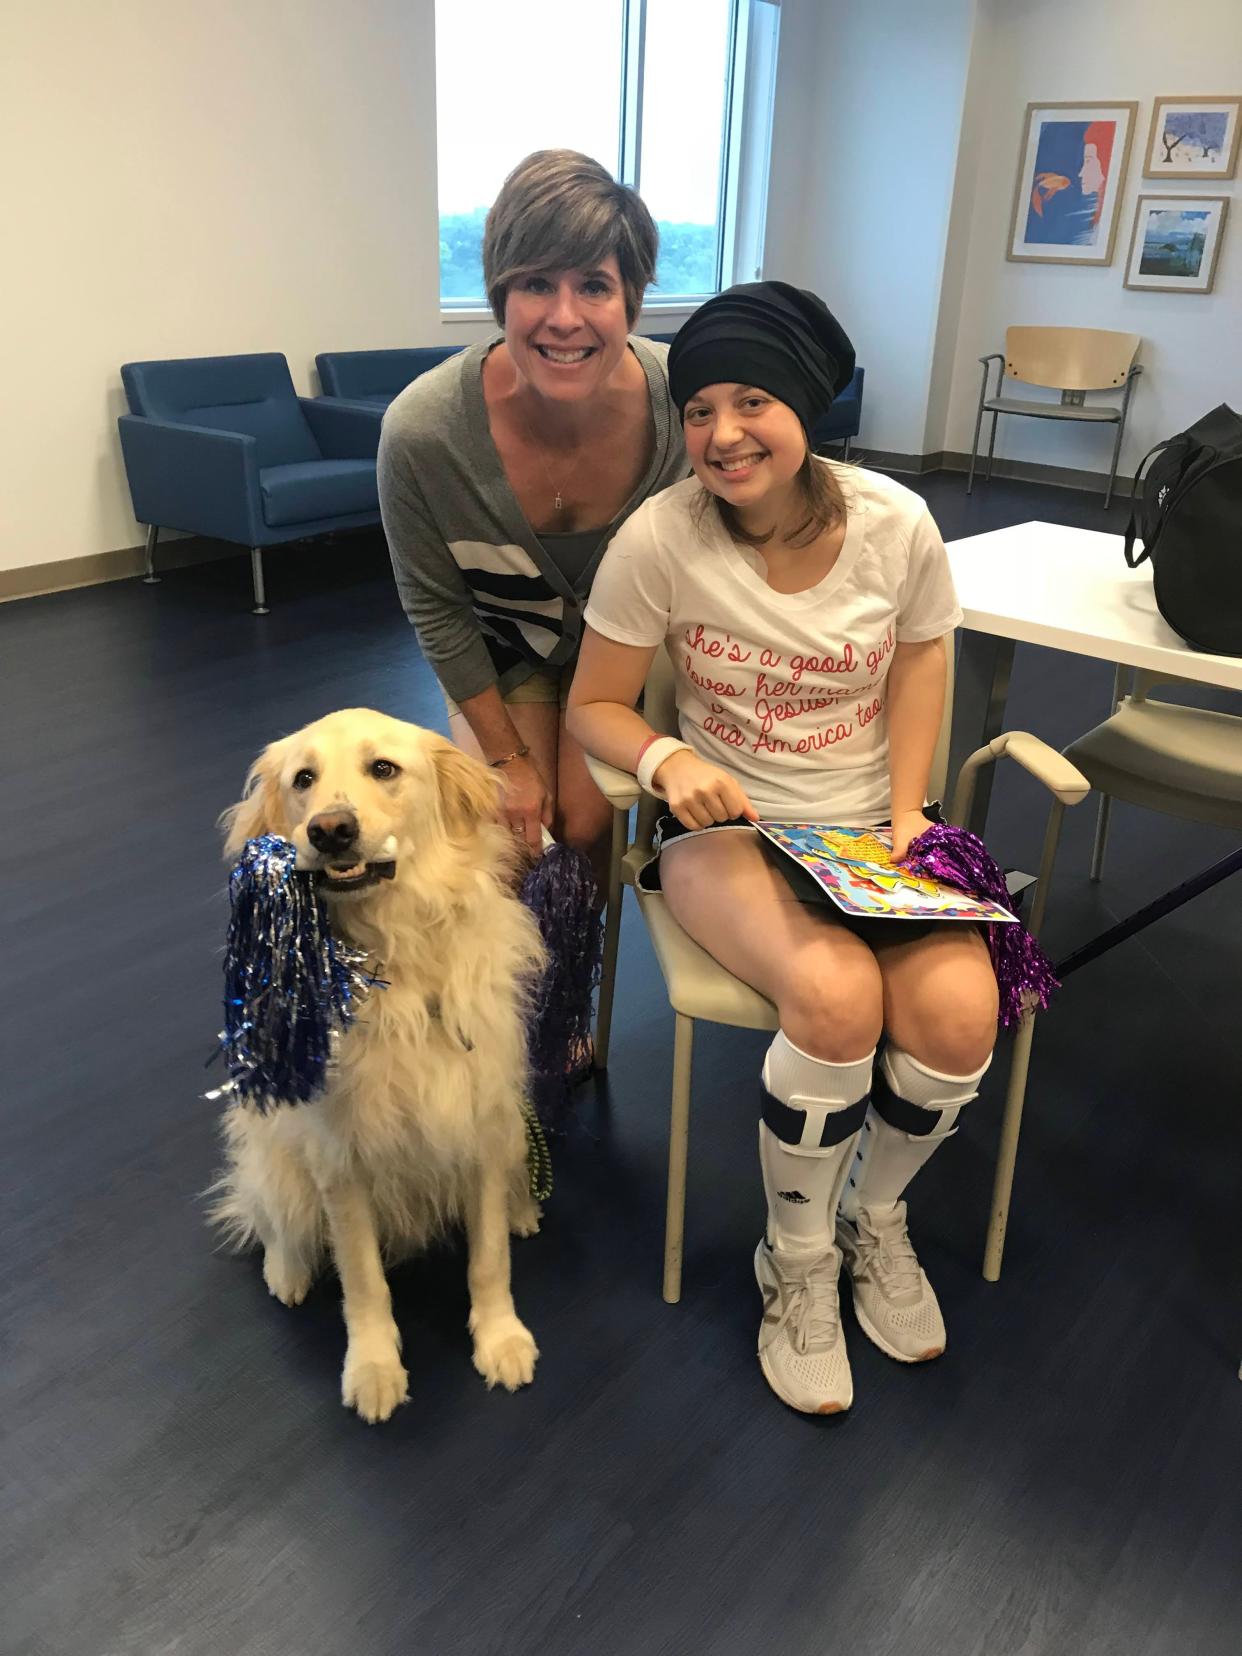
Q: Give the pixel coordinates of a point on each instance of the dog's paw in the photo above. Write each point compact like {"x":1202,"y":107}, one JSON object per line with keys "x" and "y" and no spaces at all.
{"x":288,"y":1280}
{"x":505,"y":1353}
{"x":525,"y":1216}
{"x":373,"y":1382}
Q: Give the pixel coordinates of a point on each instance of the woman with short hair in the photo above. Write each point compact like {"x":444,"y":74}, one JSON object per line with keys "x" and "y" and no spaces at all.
{"x":505,"y":472}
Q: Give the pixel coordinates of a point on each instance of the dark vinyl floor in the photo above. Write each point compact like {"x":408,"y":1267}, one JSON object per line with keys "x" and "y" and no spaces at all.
{"x":179,"y":1476}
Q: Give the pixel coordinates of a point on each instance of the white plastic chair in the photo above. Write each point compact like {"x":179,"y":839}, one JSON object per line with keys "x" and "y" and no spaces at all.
{"x":1184,"y":761}
{"x":699,"y":988}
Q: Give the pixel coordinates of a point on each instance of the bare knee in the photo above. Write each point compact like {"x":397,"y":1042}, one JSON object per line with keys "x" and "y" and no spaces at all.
{"x":585,"y":830}
{"x":837,"y":1018}
{"x":954,"y":1034}
{"x":583,"y":816}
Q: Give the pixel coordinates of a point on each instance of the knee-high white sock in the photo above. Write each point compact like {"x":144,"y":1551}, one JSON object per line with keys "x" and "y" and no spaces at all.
{"x":913,"y":1110}
{"x":812,"y":1113}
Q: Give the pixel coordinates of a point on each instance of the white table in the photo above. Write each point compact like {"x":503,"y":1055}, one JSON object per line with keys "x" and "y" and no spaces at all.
{"x":1069,"y":589}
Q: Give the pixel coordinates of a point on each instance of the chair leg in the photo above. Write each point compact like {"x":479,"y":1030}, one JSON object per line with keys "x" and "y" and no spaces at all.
{"x":974,"y":446}
{"x":678,"y":1144}
{"x":1007,"y":1155}
{"x":845,"y":452}
{"x":1121,"y":688}
{"x":612,"y":940}
{"x":1112,"y":473}
{"x":256,"y":577}
{"x":1015,"y":1095}
{"x":991,"y":446}
{"x":153,"y":534}
{"x":1101,"y":837}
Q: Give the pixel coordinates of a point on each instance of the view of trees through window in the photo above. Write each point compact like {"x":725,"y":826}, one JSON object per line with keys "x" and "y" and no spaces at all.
{"x":496,"y":107}
{"x":687,"y":257}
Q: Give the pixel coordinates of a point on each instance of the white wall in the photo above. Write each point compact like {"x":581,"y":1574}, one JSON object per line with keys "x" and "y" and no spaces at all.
{"x":869,"y":112}
{"x":260,"y":174}
{"x":191,"y":179}
{"x":1052,"y":50}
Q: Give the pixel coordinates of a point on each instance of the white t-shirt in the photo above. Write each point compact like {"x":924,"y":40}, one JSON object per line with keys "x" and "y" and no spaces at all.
{"x":784,"y":690}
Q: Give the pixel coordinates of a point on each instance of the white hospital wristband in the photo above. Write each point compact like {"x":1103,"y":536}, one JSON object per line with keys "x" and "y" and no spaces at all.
{"x":654,"y":756}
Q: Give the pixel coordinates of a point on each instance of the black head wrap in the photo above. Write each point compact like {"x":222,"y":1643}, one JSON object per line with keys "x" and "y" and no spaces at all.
{"x":780,"y":338}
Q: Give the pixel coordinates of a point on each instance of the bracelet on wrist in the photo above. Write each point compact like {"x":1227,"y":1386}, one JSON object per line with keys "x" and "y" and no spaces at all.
{"x":508,"y":758}
{"x":650,"y":742}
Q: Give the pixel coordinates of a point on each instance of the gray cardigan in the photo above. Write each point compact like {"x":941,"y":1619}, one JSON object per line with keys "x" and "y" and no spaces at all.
{"x":488,"y":603}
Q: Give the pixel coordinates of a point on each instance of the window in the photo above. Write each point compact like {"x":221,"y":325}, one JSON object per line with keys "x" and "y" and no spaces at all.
{"x":673,"y":96}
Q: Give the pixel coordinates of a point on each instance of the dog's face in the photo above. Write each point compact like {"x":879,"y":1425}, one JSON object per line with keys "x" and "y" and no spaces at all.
{"x":356,"y":793}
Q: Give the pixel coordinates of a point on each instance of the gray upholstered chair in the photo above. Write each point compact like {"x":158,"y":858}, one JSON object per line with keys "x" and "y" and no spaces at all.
{"x":701,"y":989}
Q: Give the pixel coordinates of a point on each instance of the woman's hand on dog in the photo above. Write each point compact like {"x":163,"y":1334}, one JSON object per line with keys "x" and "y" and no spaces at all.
{"x":527,"y":805}
{"x":700,"y":794}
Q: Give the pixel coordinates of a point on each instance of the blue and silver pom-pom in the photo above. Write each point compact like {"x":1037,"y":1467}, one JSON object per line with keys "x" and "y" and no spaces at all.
{"x":290,"y":987}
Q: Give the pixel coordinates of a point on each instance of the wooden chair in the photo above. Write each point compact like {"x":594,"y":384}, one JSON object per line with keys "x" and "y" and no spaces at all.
{"x":700,"y":988}
{"x":1070,"y":360}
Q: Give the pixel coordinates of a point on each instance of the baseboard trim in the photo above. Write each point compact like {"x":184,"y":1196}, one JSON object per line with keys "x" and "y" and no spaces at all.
{"x":95,"y":568}
{"x":891,"y":460}
{"x":1020,"y":471}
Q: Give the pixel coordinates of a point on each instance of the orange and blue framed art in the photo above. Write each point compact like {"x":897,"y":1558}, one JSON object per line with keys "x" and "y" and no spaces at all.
{"x":1071,"y":169}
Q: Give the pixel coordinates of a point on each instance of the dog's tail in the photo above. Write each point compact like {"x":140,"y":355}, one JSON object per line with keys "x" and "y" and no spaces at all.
{"x":233,"y":1218}
{"x":265,"y":1193}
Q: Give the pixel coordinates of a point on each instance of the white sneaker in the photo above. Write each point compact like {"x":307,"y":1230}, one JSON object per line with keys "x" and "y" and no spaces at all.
{"x":895,"y":1304}
{"x":801,"y":1345}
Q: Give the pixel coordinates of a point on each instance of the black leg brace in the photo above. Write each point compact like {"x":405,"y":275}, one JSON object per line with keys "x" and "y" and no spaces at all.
{"x":914,"y":1119}
{"x":788,"y":1123}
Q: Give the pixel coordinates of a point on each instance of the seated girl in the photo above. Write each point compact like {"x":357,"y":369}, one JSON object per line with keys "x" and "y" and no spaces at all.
{"x":805,"y":607}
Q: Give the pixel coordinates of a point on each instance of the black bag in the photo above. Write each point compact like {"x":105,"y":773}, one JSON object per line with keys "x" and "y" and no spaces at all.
{"x":1190,"y":522}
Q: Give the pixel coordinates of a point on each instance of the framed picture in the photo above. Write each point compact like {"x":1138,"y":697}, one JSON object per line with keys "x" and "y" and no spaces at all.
{"x":1070,"y":171}
{"x":1175,"y":243}
{"x":1193,"y":138}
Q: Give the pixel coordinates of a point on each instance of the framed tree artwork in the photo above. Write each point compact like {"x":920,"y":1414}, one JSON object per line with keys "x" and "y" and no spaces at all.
{"x":1194,"y":138}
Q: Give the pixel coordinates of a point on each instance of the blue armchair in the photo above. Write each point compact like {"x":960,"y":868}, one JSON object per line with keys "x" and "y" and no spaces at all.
{"x":842,"y":421}
{"x":375,"y":377}
{"x":224,"y":446}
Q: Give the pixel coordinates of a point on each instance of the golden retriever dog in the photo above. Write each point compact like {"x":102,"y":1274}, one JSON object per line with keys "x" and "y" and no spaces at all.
{"x":421,"y":1123}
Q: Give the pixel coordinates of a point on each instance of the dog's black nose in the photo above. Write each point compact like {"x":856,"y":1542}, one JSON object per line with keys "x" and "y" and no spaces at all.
{"x":330,"y":831}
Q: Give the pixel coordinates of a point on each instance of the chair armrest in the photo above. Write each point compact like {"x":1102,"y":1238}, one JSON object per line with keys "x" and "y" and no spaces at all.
{"x":193,"y":478}
{"x":344,"y":430}
{"x":1044,"y":763}
{"x":618,"y":787}
{"x":993,"y":356}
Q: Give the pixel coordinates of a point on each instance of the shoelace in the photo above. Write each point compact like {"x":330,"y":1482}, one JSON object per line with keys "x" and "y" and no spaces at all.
{"x":811,"y":1306}
{"x":884,"y":1249}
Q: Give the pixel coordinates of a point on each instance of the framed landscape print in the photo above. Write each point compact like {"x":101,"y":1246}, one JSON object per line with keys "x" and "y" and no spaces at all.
{"x":1071,"y":168}
{"x":1175,"y":243}
{"x":1193,"y":138}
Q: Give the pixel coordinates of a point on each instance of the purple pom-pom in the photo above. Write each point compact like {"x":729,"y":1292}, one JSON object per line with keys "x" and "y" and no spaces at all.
{"x":1024,"y":973}
{"x":561,"y":892}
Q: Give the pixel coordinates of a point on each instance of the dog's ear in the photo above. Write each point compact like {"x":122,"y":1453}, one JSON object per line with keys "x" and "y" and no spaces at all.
{"x":469,"y":791}
{"x":261,"y":809}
